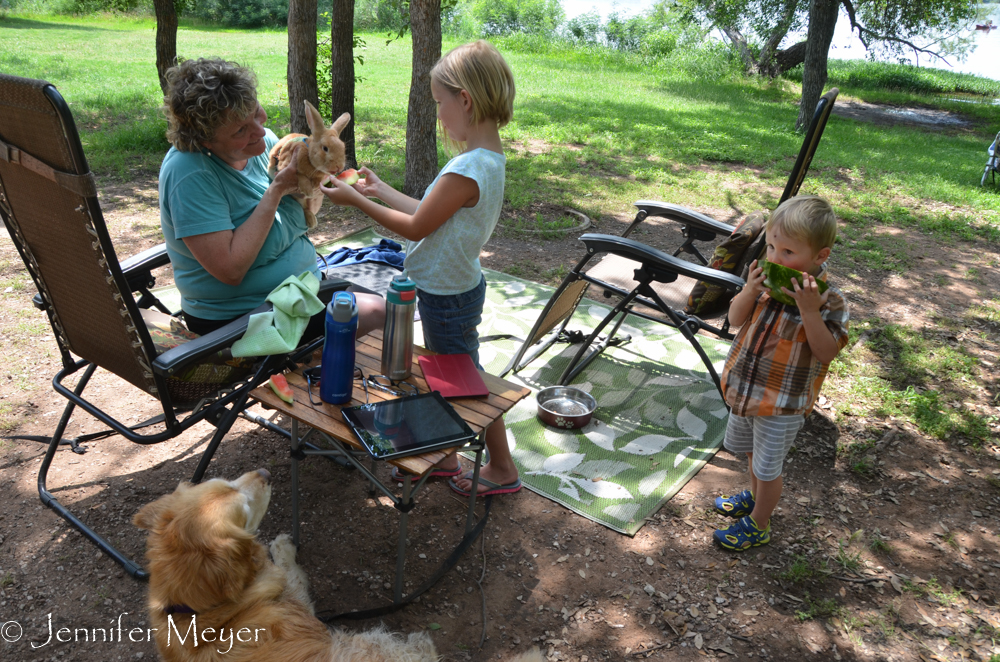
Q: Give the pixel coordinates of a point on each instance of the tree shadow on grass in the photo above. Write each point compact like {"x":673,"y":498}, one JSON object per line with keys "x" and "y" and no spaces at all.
{"x":28,"y":24}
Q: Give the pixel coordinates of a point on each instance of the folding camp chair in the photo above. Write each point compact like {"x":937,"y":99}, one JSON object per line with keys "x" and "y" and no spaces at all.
{"x":48,"y":202}
{"x":644,"y":279}
{"x":992,"y":163}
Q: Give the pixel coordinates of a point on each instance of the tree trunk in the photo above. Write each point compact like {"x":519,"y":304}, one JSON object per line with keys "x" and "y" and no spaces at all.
{"x":301,"y":61}
{"x":791,"y":57}
{"x":740,"y":44}
{"x":421,"y":116}
{"x":822,"y":22}
{"x":166,"y":38}
{"x":768,"y":66}
{"x":342,"y":72}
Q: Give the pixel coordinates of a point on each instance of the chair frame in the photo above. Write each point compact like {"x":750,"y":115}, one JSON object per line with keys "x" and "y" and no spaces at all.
{"x":656,"y":266}
{"x":22,"y":175}
{"x":992,"y":163}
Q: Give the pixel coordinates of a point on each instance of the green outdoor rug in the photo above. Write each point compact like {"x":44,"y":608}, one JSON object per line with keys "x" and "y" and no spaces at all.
{"x":659,"y":417}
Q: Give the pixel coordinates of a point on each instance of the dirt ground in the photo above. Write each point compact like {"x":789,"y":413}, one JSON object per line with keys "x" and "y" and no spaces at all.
{"x":897,"y":563}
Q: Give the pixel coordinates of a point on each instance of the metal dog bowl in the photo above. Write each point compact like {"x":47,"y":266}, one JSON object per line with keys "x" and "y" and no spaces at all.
{"x":565,"y":407}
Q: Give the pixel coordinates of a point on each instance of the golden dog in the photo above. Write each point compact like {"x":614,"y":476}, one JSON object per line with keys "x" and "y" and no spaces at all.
{"x":215,"y":596}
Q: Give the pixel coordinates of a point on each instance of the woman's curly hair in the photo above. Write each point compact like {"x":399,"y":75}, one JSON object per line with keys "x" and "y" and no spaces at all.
{"x":204,"y":94}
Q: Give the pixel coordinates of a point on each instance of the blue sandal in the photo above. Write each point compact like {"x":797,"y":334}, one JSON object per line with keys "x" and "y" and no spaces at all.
{"x":736,"y":506}
{"x":742,"y":535}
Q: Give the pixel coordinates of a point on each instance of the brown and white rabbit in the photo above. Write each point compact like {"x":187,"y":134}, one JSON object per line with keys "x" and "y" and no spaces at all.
{"x":322,"y":157}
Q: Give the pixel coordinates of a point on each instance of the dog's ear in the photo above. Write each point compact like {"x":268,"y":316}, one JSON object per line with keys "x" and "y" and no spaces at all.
{"x":158,"y":514}
{"x":148,"y":516}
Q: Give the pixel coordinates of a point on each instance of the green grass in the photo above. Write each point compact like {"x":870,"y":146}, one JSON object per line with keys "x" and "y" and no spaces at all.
{"x":822,"y":608}
{"x":878,"y":544}
{"x":902,"y":78}
{"x":943,"y":596}
{"x":609,"y":128}
{"x":848,"y":560}
{"x":914,"y":374}
{"x":800,"y":570}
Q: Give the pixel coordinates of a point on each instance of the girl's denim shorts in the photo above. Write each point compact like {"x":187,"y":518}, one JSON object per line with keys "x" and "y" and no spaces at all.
{"x":450,"y":321}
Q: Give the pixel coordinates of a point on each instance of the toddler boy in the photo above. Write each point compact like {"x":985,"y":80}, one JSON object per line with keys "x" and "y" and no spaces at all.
{"x":778,"y":361}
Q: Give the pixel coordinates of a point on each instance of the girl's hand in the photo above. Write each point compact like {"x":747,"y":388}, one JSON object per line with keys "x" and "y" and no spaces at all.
{"x":807,"y":296}
{"x":755,"y":279}
{"x":341,"y":193}
{"x":368,"y":186}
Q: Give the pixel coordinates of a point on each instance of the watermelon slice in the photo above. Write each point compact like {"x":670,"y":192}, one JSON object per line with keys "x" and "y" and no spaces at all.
{"x":280,"y":386}
{"x":349,"y":176}
{"x":777,"y":276}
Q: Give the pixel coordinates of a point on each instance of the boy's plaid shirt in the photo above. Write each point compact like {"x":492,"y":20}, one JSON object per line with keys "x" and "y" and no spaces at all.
{"x":770,"y":370}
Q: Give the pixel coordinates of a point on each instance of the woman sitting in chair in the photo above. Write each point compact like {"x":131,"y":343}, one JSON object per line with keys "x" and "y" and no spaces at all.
{"x":232,"y":234}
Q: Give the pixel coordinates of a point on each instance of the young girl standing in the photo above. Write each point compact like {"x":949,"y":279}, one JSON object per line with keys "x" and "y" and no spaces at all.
{"x":446,"y":230}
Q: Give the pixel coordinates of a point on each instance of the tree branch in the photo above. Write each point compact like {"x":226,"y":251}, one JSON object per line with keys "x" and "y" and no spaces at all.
{"x":740,"y":42}
{"x":767,"y":53}
{"x":864,"y":32}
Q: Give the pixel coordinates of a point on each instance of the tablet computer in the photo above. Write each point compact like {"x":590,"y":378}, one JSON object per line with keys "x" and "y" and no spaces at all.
{"x":407,"y":426}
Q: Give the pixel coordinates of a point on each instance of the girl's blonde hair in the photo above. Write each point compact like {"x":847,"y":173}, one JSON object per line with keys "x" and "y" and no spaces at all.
{"x":203,"y":95}
{"x":808,"y":218}
{"x":479,"y":69}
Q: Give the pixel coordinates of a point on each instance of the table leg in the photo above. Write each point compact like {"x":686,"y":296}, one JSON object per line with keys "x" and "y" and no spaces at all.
{"x":475,"y":483}
{"x":295,"y":483}
{"x":397,"y":591}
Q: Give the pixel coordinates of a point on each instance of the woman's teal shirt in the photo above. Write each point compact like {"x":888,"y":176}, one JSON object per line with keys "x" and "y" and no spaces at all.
{"x":199,"y":194}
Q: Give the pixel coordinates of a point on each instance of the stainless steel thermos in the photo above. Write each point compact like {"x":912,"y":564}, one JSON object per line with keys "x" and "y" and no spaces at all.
{"x":337,"y":373}
{"x":397,"y":339}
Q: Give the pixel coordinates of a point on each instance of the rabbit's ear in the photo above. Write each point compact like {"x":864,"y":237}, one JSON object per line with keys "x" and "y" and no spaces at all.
{"x":314,"y":119}
{"x":341,"y":122}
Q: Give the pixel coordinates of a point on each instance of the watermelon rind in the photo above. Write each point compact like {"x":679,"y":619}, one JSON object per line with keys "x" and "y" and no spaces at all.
{"x":777,"y":276}
{"x":280,"y":386}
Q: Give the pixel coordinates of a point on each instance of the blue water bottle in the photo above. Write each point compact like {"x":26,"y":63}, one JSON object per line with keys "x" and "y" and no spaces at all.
{"x":337,"y":374}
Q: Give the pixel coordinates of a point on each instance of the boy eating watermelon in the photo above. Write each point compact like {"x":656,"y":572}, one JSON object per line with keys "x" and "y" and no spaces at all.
{"x":778,"y":360}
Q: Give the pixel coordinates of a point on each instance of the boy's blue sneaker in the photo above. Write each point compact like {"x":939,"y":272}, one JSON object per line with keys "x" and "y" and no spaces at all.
{"x":744,"y":534}
{"x":737,"y":506}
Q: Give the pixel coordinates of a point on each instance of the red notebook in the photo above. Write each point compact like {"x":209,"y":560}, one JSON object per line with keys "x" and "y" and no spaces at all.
{"x":454,"y":375}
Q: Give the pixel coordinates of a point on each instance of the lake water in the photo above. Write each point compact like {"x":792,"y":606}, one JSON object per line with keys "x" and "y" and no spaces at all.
{"x":983,"y":61}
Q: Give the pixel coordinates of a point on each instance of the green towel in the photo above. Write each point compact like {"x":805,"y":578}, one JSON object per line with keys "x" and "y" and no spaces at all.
{"x":279,"y":331}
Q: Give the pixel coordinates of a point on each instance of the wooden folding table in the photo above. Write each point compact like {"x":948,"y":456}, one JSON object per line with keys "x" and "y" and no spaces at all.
{"x":325,"y":420}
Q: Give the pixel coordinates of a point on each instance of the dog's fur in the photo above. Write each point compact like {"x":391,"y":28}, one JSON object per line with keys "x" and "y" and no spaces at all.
{"x":321,"y":156}
{"x":203,"y":557}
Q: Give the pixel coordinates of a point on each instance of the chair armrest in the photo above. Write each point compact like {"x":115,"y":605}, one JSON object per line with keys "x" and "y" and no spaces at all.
{"x":686,"y":216}
{"x":147,"y":260}
{"x":658,"y":260}
{"x":136,"y":269}
{"x":178,"y":357}
{"x":181,"y":356}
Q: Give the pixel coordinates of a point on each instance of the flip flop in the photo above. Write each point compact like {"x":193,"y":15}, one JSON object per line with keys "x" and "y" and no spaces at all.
{"x":397,"y":475}
{"x":492,"y":488}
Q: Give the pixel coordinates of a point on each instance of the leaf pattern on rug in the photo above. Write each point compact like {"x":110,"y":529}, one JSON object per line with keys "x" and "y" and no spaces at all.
{"x":656,"y":424}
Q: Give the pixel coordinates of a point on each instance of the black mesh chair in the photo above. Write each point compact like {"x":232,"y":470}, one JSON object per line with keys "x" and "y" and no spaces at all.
{"x":48,"y":201}
{"x":649,"y":283}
